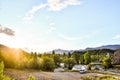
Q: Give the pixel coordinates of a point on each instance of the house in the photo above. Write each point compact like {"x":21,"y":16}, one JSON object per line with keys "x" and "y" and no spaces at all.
{"x":96,"y":66}
{"x":62,"y":65}
{"x":79,"y":67}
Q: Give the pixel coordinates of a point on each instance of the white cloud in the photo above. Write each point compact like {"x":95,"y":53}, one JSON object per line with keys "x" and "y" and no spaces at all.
{"x":117,"y":36}
{"x":57,"y":5}
{"x":71,"y":37}
{"x":52,"y":28}
{"x":34,"y":9}
{"x":52,"y":5}
{"x":52,"y":24}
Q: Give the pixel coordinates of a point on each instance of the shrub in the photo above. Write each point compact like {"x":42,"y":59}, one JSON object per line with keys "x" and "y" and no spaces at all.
{"x":2,"y":76}
{"x":106,"y":62}
{"x":31,"y":77}
{"x":47,"y":64}
{"x":99,"y":78}
{"x":69,"y":63}
{"x":1,"y":70}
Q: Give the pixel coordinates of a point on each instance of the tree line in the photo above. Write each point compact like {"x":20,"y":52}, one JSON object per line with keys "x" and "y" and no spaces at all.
{"x":48,"y":62}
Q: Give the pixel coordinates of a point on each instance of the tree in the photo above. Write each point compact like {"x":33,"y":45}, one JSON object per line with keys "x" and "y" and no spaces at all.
{"x":81,"y":60}
{"x":69,"y":55}
{"x":35,"y":64}
{"x":87,"y":58}
{"x":69,"y":63}
{"x":48,"y":64}
{"x":76,"y":56}
{"x":56,"y":59}
{"x":53,"y":52}
{"x":106,"y":62}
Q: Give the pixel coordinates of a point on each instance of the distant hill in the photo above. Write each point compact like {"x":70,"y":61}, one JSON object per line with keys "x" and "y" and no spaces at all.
{"x":111,"y":47}
{"x":12,"y":56}
{"x":61,"y":51}
{"x":4,"y":49}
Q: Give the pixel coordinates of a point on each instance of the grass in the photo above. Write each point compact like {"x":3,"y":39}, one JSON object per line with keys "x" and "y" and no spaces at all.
{"x":116,"y":66}
{"x":99,"y":78}
{"x":70,"y":71}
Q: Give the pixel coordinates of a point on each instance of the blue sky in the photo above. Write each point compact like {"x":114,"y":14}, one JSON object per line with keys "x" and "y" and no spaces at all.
{"x":44,"y":25}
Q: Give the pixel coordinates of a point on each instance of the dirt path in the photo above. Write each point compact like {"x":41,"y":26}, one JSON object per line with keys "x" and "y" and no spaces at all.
{"x":23,"y":75}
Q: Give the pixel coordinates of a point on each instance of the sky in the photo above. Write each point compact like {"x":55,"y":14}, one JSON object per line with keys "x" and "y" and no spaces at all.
{"x":45,"y":25}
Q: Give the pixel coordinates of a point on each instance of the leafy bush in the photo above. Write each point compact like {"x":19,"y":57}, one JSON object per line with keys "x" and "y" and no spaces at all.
{"x":69,"y":63}
{"x":1,"y":70}
{"x":2,"y":76}
{"x":87,"y":58}
{"x":47,"y":64}
{"x":31,"y":77}
{"x":99,"y":78}
{"x":106,"y":62}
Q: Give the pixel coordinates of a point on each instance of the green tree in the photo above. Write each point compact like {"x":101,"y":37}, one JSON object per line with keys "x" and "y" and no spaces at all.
{"x":48,"y":64}
{"x":56,"y":59}
{"x":69,"y":55}
{"x":106,"y":62}
{"x":69,"y":63}
{"x":53,"y":52}
{"x":87,"y":58}
{"x":76,"y":57}
{"x":35,"y":64}
{"x":81,"y":60}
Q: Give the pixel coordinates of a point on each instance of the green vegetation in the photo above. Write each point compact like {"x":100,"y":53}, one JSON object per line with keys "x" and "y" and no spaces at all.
{"x":87,"y":58}
{"x":19,"y":59}
{"x":31,"y":77}
{"x":106,"y":62}
{"x":56,"y":59}
{"x":116,"y":66}
{"x":99,"y":78}
{"x":69,"y":62}
{"x":2,"y":76}
{"x":48,"y":64}
{"x":76,"y":57}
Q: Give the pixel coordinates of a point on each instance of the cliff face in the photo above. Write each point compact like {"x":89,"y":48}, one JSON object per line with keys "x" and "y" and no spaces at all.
{"x":116,"y":57}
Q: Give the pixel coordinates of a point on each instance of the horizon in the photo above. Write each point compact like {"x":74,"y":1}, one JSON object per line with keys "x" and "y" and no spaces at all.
{"x":45,"y":25}
{"x":62,"y":49}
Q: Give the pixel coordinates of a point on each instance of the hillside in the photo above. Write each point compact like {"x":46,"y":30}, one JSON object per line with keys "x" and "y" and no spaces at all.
{"x":11,"y":56}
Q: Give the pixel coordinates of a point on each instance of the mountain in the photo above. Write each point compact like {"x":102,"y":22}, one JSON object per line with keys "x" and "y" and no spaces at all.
{"x":112,"y":47}
{"x":61,"y":51}
{"x":6,"y":50}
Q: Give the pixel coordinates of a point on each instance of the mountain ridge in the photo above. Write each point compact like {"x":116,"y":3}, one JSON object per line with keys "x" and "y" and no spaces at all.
{"x":111,"y":47}
{"x":6,"y":49}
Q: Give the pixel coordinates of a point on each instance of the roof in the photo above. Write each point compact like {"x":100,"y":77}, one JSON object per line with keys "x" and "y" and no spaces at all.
{"x":96,"y":63}
{"x":78,"y":67}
